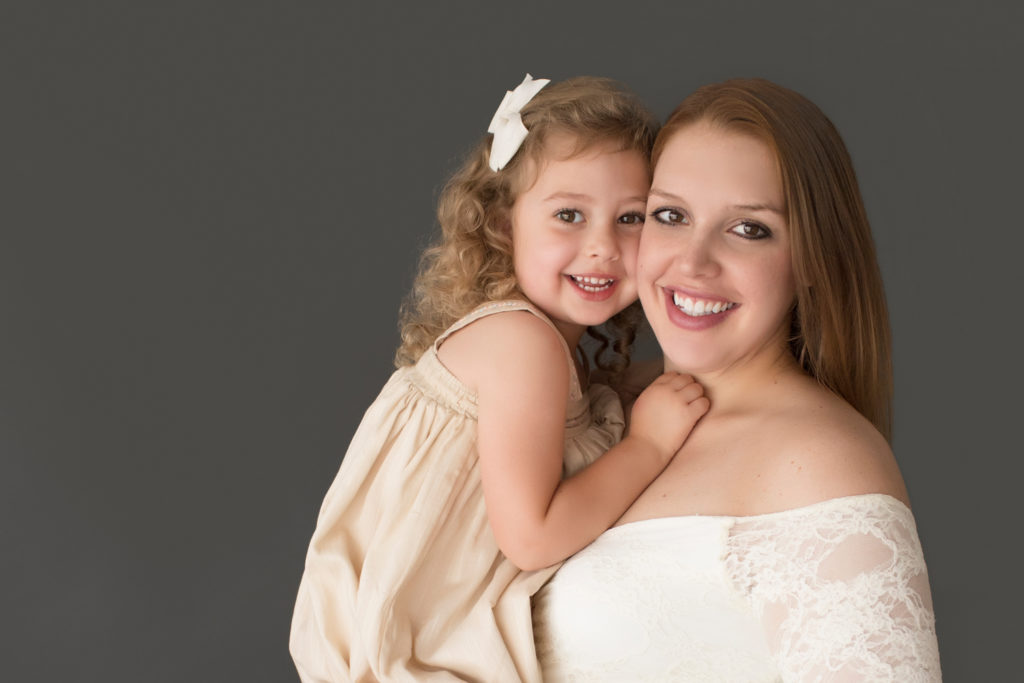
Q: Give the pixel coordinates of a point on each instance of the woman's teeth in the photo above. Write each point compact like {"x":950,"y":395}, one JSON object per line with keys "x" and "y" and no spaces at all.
{"x":592,"y":284}
{"x":699,"y":307}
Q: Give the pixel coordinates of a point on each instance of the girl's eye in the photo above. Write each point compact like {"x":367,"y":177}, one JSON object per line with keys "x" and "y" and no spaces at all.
{"x":632,"y":218}
{"x":751,"y":231}
{"x":668,"y":216}
{"x":570,"y":215}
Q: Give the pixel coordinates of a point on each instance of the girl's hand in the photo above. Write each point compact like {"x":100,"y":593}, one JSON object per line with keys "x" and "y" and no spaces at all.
{"x":665,"y":412}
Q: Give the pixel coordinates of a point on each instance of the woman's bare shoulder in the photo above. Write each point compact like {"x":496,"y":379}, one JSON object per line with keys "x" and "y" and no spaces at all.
{"x":817,"y":447}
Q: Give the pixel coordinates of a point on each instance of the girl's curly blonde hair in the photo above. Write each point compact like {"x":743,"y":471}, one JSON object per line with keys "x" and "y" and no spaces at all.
{"x":471,"y":263}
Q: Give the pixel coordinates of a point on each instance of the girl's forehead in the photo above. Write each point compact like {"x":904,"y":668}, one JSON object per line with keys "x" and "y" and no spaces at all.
{"x":564,"y":145}
{"x":569,"y":150}
{"x":609,"y":175}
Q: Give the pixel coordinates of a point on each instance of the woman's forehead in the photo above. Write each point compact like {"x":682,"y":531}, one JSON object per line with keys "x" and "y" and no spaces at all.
{"x":711,"y":161}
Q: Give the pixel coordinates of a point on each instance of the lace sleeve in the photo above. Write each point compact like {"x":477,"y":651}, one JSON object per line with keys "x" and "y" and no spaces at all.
{"x":841,"y":589}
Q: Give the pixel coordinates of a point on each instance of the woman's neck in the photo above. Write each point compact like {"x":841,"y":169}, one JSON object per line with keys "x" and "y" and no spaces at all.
{"x":745,"y":385}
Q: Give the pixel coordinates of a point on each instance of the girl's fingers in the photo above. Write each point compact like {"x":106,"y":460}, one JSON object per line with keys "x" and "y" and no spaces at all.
{"x":691,"y":392}
{"x":678,"y":381}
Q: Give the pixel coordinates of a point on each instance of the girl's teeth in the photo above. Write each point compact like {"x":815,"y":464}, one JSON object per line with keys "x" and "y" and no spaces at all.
{"x":592,"y":284}
{"x":699,"y":307}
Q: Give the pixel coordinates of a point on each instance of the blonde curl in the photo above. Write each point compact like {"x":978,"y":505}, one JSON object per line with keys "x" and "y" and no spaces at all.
{"x":470,"y":263}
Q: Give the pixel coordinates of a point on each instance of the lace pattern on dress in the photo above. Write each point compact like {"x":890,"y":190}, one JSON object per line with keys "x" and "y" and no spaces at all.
{"x":841,"y":590}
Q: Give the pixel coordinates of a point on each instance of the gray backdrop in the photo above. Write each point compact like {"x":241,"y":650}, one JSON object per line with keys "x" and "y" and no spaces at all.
{"x":211,"y":212}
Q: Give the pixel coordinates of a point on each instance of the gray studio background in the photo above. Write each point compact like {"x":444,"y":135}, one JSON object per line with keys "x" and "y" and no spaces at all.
{"x":211,"y":212}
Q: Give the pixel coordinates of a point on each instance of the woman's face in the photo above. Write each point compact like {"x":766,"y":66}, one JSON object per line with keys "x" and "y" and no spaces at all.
{"x":714,"y":269}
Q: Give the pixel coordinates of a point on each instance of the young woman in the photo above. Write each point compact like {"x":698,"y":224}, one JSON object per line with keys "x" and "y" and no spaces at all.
{"x":778,"y":544}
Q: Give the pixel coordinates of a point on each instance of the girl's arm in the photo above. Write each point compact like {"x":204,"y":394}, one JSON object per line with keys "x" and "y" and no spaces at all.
{"x":520,"y":372}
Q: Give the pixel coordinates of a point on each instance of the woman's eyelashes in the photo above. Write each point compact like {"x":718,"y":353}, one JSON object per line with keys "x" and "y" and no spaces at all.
{"x":668,"y":216}
{"x":749,"y":230}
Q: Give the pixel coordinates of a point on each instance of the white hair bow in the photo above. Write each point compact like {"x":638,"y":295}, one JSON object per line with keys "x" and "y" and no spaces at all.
{"x":507,"y":125}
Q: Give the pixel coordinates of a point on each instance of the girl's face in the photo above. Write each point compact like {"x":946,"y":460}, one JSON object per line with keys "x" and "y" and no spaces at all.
{"x":575,"y":234}
{"x":715,"y":273}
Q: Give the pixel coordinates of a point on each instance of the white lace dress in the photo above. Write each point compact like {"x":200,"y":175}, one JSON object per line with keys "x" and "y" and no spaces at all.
{"x":835,"y":591}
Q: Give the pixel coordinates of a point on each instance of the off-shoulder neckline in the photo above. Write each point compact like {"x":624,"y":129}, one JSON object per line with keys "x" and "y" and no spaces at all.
{"x":803,"y":509}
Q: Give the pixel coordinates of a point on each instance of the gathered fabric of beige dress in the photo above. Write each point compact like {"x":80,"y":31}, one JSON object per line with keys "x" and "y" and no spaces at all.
{"x":403,"y":578}
{"x":834,"y":591}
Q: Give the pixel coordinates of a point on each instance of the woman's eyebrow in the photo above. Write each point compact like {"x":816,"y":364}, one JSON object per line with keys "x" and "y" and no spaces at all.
{"x":655,"y":192}
{"x":758,"y":207}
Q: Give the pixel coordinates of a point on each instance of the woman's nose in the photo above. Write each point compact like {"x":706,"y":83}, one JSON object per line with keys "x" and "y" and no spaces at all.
{"x":697,"y":257}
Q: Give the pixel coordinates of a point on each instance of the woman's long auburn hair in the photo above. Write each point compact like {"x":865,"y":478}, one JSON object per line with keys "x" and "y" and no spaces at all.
{"x":840,"y":328}
{"x":471,"y":262}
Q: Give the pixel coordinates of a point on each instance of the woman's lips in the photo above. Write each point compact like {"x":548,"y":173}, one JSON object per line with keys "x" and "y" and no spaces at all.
{"x":697,"y":306}
{"x":694,"y":312}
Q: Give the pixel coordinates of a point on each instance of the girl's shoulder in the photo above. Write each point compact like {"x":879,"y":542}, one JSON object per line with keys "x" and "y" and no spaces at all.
{"x":817,"y":447}
{"x":505,"y":340}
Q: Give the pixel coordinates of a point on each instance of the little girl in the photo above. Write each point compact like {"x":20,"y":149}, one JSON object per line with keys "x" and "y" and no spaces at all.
{"x":479,"y":458}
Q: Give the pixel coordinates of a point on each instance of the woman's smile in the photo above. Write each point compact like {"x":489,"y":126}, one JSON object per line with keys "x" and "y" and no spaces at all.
{"x":714,"y":268}
{"x":695,"y":312}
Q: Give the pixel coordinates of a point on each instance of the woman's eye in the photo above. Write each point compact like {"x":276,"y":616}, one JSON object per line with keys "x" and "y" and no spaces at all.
{"x":570,"y":216}
{"x":633,"y":218}
{"x":751,"y":231}
{"x":668,"y":216}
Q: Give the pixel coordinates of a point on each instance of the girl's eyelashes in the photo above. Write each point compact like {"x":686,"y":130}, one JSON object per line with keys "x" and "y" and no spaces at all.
{"x":667,"y":216}
{"x":576,"y":216}
{"x":749,"y":230}
{"x":569,"y":215}
{"x":632,"y":218}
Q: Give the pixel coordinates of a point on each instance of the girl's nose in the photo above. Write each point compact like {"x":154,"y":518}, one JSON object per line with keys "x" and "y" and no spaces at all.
{"x":602,"y":245}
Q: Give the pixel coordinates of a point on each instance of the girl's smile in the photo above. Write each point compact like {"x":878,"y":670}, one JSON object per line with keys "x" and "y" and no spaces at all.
{"x":576,"y":232}
{"x":594,"y":287}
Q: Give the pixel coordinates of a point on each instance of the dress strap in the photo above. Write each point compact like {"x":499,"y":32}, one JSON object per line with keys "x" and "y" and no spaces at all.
{"x":575,"y":391}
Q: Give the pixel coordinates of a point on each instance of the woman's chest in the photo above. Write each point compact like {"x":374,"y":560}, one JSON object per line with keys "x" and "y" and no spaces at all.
{"x":650,"y":602}
{"x":711,"y":475}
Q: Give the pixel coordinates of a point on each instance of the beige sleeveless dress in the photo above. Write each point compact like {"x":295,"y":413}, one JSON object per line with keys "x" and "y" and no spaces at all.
{"x":403,"y":579}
